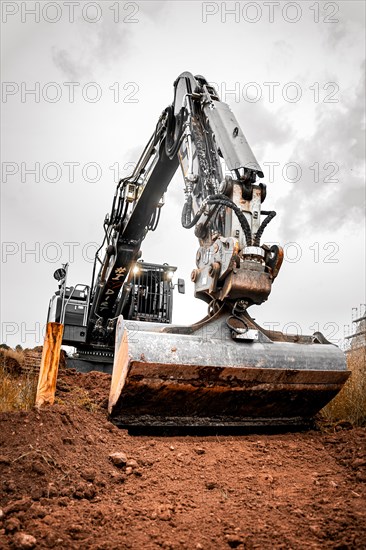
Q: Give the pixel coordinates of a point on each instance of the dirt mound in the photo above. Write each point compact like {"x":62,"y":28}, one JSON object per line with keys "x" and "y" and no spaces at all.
{"x":89,"y":390}
{"x":11,"y":361}
{"x":70,"y":479}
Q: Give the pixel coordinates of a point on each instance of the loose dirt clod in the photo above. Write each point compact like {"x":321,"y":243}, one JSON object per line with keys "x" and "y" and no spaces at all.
{"x":12,"y":525}
{"x":118,"y":459}
{"x":23,"y":541}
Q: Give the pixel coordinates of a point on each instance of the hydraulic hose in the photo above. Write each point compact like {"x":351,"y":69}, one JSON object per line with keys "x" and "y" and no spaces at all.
{"x":220,"y":200}
{"x":263,"y":225}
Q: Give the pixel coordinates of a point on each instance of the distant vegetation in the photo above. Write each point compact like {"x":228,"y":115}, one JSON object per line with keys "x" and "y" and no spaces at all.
{"x":17,"y":388}
{"x":350,"y":404}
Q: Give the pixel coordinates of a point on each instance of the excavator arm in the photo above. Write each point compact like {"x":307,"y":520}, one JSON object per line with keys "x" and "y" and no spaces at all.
{"x":201,"y":134}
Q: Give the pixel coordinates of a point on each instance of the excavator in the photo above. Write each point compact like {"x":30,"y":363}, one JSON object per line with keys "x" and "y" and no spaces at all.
{"x":224,"y":370}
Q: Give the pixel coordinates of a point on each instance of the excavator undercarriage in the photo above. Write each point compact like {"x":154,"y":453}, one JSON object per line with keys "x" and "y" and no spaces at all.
{"x":224,"y":370}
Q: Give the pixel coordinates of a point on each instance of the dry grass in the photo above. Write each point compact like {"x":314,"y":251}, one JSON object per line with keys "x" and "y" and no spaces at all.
{"x":17,"y":390}
{"x":17,"y":393}
{"x":82,"y":399}
{"x":350,"y":404}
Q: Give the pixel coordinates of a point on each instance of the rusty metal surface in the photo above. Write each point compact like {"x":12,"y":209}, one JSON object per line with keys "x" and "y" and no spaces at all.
{"x":206,"y":397}
{"x":207,"y":375}
{"x":247,"y":284}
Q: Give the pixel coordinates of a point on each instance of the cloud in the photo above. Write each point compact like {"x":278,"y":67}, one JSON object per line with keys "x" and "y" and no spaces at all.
{"x":89,"y":53}
{"x":154,"y":10}
{"x":345,"y":21}
{"x":109,"y":42}
{"x":261,"y":126}
{"x":73,"y":69}
{"x":338,"y":198}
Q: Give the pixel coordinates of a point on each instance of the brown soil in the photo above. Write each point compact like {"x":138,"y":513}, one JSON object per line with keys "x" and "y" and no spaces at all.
{"x":59,"y":486}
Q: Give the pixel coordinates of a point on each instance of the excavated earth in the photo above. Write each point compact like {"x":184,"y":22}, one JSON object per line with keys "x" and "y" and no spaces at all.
{"x":60,"y":488}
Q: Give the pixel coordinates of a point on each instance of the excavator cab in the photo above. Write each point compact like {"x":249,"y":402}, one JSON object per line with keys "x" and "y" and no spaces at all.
{"x":69,"y":306}
{"x":151,"y":293}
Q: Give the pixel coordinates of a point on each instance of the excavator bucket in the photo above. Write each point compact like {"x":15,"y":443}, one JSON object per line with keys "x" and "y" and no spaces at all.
{"x":211,"y":375}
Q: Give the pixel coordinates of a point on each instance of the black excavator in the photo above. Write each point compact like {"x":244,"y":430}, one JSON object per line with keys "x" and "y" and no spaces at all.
{"x":225,"y":370}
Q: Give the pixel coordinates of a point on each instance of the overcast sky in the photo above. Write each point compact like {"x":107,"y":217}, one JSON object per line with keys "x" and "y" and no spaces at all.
{"x":102,"y":72}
